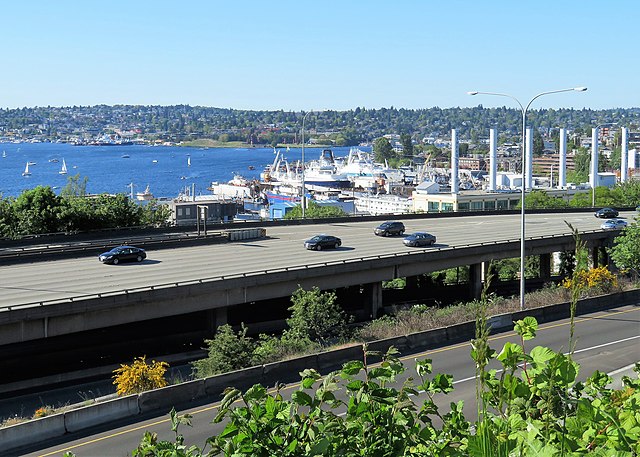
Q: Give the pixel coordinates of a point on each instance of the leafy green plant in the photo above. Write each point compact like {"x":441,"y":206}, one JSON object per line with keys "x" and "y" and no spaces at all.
{"x":317,"y":316}
{"x":534,"y":407}
{"x":227,"y":351}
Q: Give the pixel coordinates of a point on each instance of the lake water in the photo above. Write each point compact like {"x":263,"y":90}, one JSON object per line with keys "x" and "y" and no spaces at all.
{"x":164,"y":169}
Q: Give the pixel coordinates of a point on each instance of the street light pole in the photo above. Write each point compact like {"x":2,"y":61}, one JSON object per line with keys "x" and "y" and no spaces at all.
{"x":303,"y":200}
{"x":594,"y":160}
{"x":524,"y":165}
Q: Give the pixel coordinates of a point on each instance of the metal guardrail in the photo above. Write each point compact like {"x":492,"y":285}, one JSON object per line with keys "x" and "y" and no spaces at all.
{"x":276,"y":270}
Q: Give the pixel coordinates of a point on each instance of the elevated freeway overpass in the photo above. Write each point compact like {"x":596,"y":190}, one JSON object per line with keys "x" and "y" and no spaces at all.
{"x":62,"y":297}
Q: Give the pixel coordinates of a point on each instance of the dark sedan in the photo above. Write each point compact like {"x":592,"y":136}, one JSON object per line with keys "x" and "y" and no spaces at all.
{"x":419,"y":239}
{"x":320,"y":242}
{"x":123,"y":254}
{"x":606,"y":213}
{"x":389,"y":228}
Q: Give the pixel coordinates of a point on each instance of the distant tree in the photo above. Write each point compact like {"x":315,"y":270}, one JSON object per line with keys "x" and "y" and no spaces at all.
{"x":407,"y":144}
{"x":538,"y":143}
{"x":626,"y":193}
{"x":117,"y":211}
{"x":540,"y":199}
{"x":382,"y":149}
{"x":37,"y":210}
{"x":463,"y":149}
{"x":155,"y":214}
{"x":615,"y":161}
{"x":315,"y":211}
{"x":582,"y":162}
{"x":7,"y":219}
{"x":75,"y":187}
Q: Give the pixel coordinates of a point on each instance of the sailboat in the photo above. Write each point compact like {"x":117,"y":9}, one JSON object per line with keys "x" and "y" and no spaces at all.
{"x":26,"y":171}
{"x":63,"y":170}
{"x":189,"y":161}
{"x":4,"y":154}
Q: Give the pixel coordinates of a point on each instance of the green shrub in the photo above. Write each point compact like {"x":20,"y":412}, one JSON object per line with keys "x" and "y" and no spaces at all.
{"x":315,"y":315}
{"x":227,"y":351}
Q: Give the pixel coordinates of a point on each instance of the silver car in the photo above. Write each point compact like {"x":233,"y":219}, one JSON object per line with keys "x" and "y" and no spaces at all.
{"x":419,"y":239}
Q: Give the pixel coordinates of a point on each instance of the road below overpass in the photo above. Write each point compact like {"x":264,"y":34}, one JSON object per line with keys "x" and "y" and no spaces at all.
{"x":606,"y":341}
{"x":283,"y":248}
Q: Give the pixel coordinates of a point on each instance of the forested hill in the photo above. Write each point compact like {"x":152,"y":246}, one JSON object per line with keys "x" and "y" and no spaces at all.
{"x":183,"y":122}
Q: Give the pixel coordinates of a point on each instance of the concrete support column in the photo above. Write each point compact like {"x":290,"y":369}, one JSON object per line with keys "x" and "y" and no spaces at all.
{"x":528,"y":178}
{"x":624,"y":155}
{"x":216,"y":318}
{"x":562,"y":172}
{"x":545,"y":267}
{"x":595,"y":256}
{"x":411,"y":282}
{"x":373,"y":299}
{"x":604,"y":257}
{"x":475,"y":279}
{"x":493,"y":158}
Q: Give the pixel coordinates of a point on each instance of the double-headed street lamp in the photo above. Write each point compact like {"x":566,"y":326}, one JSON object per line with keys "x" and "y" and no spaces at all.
{"x":594,"y":160}
{"x":524,"y":163}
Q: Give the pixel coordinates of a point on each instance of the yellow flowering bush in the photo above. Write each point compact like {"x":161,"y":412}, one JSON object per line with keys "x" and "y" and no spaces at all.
{"x":42,"y":411}
{"x":139,"y":376}
{"x":596,"y":278}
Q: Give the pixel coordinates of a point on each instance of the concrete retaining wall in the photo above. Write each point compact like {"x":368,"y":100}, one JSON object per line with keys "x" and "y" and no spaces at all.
{"x":31,"y":432}
{"x":162,"y":400}
{"x":100,"y":413}
{"x":167,"y":397}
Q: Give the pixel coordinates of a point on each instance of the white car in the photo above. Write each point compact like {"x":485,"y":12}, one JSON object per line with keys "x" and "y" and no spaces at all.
{"x":613,"y":224}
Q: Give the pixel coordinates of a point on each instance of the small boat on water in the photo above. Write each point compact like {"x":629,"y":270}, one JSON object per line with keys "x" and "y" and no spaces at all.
{"x":146,"y":195}
{"x":189,"y":161}
{"x":154,"y":161}
{"x":63,"y":170}
{"x":251,"y":167}
{"x":26,"y":171}
{"x":54,"y":160}
{"x":4,"y":154}
{"x":32,"y":163}
{"x":125,"y":156}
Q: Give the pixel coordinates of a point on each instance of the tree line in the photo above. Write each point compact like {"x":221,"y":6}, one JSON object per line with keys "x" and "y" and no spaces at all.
{"x":344,"y":128}
{"x":41,"y":210}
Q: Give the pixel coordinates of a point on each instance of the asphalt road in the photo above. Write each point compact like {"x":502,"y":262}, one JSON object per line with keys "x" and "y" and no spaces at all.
{"x":606,"y":341}
{"x":53,"y":280}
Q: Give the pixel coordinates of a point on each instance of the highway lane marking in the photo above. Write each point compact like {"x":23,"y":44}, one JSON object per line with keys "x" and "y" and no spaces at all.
{"x":598,"y":346}
{"x":295,"y":385}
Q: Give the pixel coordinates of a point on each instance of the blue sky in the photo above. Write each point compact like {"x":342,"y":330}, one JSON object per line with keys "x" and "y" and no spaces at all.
{"x":330,"y":54}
